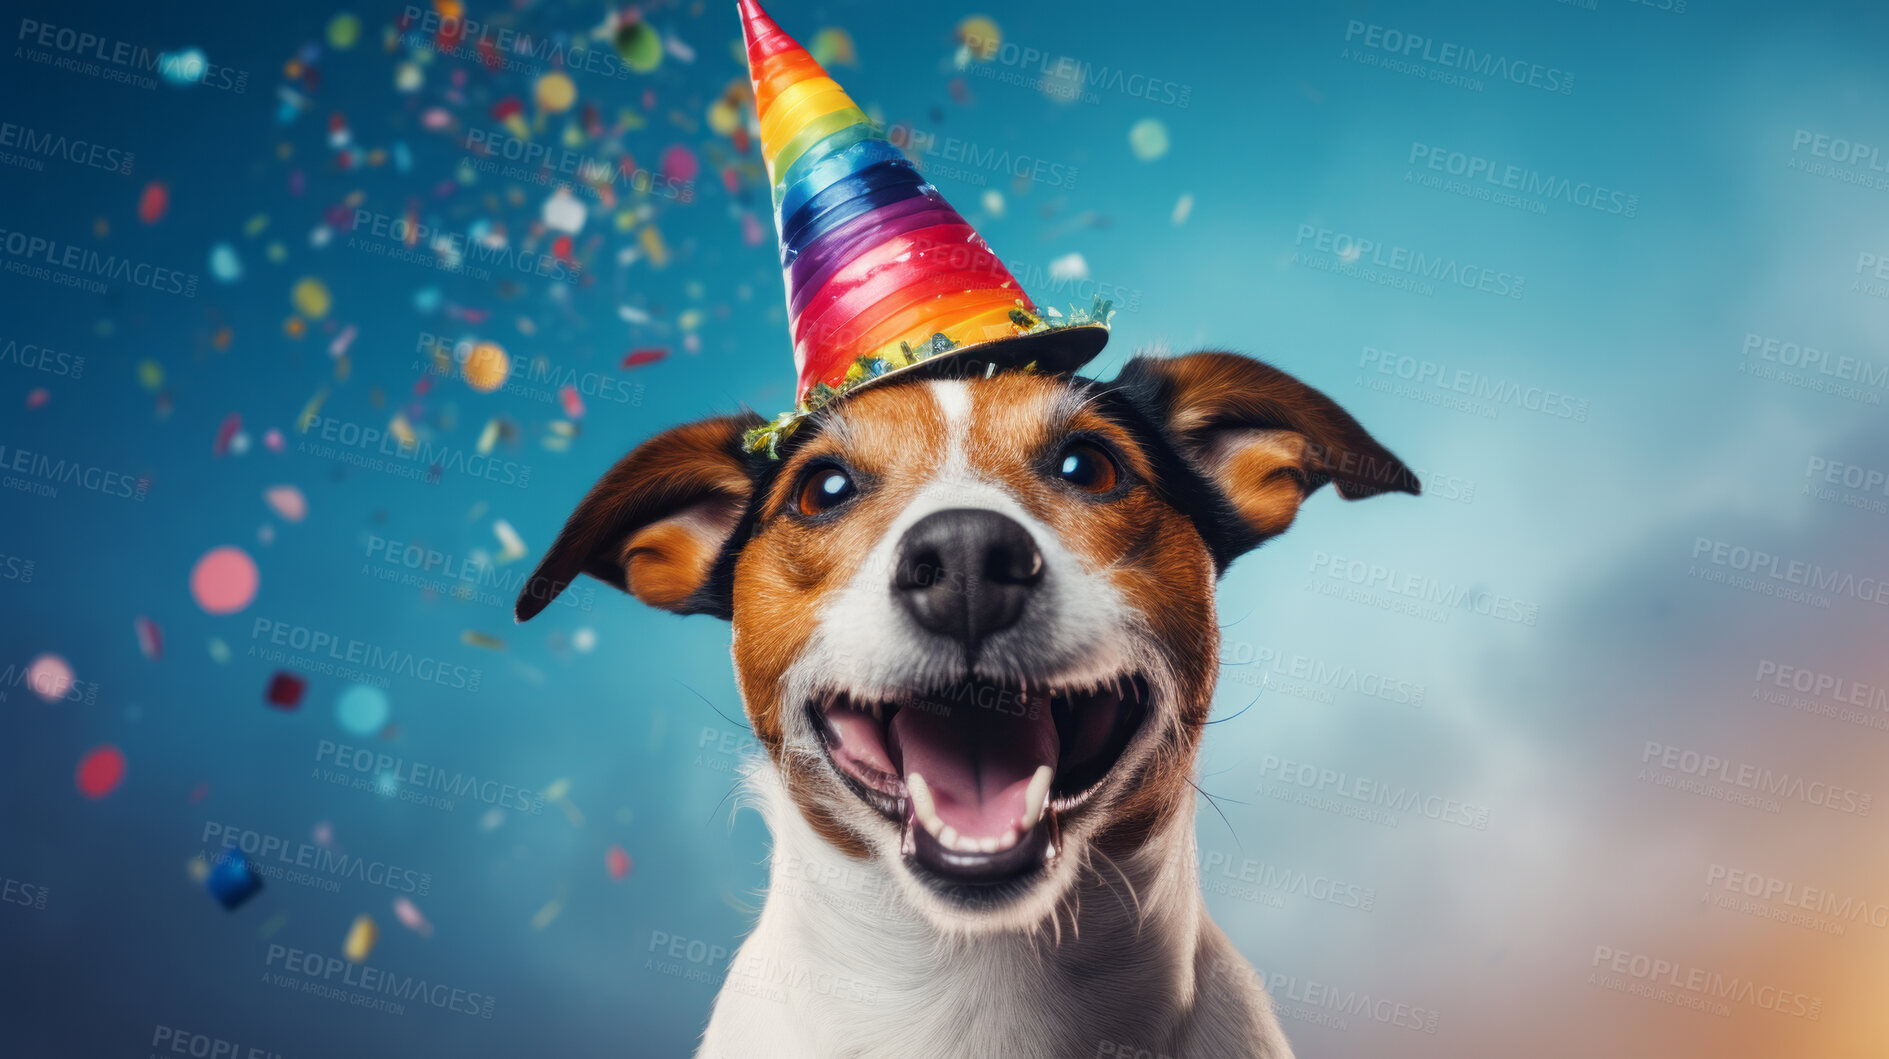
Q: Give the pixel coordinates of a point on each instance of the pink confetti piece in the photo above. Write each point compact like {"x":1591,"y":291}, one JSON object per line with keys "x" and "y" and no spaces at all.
{"x":150,"y":638}
{"x":573,"y":404}
{"x":287,"y":501}
{"x":410,"y":917}
{"x":231,"y":424}
{"x":225,"y":580}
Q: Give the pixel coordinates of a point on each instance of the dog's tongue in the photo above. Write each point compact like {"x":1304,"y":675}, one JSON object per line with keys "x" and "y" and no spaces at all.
{"x":977,"y":760}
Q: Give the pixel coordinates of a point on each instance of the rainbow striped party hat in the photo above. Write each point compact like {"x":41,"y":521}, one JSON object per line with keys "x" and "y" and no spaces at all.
{"x":882,"y":274}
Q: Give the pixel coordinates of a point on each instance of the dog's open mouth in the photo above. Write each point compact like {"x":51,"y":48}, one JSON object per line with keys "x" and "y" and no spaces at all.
{"x":978,"y":773}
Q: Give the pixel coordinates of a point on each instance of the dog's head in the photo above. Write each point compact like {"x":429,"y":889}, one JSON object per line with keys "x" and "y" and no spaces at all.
{"x":973,"y":618}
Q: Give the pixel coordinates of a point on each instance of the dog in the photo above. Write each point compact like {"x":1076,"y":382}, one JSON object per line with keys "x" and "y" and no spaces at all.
{"x":974,"y":631}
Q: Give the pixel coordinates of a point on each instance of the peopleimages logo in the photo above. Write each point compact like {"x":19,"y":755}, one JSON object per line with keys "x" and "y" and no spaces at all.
{"x":1444,"y":55}
{"x":83,"y":48}
{"x":269,"y":851}
{"x":37,"y":144}
{"x":418,"y":776}
{"x":76,"y":266}
{"x":501,"y":47}
{"x":328,"y":975}
{"x":30,"y":357}
{"x":42,"y":475}
{"x":325,"y":649}
{"x":1365,"y":257}
{"x":1788,"y":574}
{"x":1702,"y":984}
{"x":1522,"y":180}
{"x":580,"y":168}
{"x":1745,"y":776}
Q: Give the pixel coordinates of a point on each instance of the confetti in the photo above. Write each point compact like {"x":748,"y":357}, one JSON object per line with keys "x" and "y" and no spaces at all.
{"x":555,"y":92}
{"x":1183,"y":207}
{"x":38,"y":397}
{"x":512,"y":546}
{"x":100,"y":772}
{"x":1148,"y":138}
{"x":833,"y":46}
{"x":225,"y":580}
{"x":185,"y":67}
{"x":343,"y":31}
{"x":150,"y":374}
{"x":410,"y":917}
{"x":638,"y":357}
{"x":486,"y":367}
{"x":287,"y":501}
{"x":1069,"y":268}
{"x":50,"y":677}
{"x":285,"y":691}
{"x":617,"y":862}
{"x":311,"y":298}
{"x":362,"y":709}
{"x":225,"y":432}
{"x":639,"y":46}
{"x":474,"y":638}
{"x":543,"y":917}
{"x":573,"y":404}
{"x":150,"y":638}
{"x":154,"y":203}
{"x":361,"y":938}
{"x":232,"y":881}
{"x":563,"y":213}
{"x":679,"y":164}
{"x":584,"y":640}
{"x":980,"y":38}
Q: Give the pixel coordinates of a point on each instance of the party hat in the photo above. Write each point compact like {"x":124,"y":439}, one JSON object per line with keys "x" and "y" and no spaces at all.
{"x":882,"y":274}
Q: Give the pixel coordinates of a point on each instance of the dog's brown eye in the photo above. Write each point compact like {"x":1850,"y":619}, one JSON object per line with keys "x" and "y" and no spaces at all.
{"x":826,"y":488}
{"x":1087,"y":468}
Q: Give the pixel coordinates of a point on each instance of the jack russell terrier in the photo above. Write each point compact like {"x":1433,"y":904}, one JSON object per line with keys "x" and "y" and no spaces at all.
{"x":974,"y":631}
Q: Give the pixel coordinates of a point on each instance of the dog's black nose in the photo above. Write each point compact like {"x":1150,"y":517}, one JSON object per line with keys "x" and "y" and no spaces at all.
{"x":966,"y":573}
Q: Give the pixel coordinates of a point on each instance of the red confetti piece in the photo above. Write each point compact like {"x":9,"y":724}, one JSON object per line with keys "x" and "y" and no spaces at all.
{"x":38,"y":397}
{"x":617,"y":863}
{"x":101,"y":770}
{"x":573,"y":404}
{"x":154,"y":203}
{"x":561,"y":248}
{"x":640,"y":357}
{"x":285,"y":690}
{"x":506,"y":107}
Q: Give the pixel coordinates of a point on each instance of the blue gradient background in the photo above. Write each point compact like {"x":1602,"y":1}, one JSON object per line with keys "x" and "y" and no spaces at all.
{"x":1593,"y":522}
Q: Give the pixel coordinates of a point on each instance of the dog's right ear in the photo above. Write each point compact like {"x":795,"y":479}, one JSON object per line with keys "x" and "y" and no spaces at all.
{"x":660,"y":524}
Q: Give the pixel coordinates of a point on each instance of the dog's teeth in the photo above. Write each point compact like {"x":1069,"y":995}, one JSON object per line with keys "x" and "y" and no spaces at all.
{"x":1036,"y":795}
{"x":1009,"y":839}
{"x":948,"y":838}
{"x":924,"y":808}
{"x":987,"y":845}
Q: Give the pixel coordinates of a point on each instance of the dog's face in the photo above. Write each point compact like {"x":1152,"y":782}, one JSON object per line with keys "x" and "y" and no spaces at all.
{"x":973,"y":618}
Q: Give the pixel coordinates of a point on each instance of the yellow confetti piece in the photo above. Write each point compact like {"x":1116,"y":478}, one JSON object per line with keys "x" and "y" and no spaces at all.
{"x":486,"y":367}
{"x":255,"y":225}
{"x":653,"y":246}
{"x":361,"y":938}
{"x":543,"y":917}
{"x":197,"y":868}
{"x":474,"y":638}
{"x":311,"y":298}
{"x":402,"y":430}
{"x":558,"y":789}
{"x":150,"y":374}
{"x":488,"y":437}
{"x":311,"y":410}
{"x":555,"y":92}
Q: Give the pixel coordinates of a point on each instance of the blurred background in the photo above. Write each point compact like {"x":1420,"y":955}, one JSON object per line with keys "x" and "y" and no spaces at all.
{"x":319,"y":319}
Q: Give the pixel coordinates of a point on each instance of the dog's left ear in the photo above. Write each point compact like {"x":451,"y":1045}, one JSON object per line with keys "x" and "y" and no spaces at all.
{"x":659,"y":524}
{"x":1262,"y":440}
